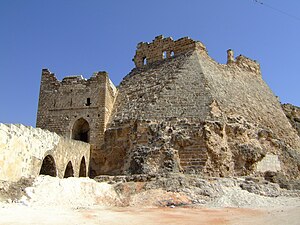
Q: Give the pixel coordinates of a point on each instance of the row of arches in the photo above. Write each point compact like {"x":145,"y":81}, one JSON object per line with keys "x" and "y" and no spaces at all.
{"x":49,"y":168}
{"x":81,"y":132}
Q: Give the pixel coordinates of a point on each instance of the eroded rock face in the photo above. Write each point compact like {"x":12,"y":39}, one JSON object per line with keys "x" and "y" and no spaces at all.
{"x":210,"y":148}
{"x":293,"y":114}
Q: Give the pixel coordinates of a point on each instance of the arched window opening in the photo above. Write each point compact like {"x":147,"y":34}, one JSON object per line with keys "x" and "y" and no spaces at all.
{"x":82,"y":170}
{"x":69,"y":172}
{"x":144,"y":61}
{"x":81,"y":130}
{"x":48,"y":166}
{"x":164,"y":55}
{"x":172,"y":53}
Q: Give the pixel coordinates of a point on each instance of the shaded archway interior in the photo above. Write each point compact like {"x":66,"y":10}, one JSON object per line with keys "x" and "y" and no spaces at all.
{"x":48,"y":166}
{"x":81,"y":130}
{"x":82,"y":170}
{"x":69,"y":172}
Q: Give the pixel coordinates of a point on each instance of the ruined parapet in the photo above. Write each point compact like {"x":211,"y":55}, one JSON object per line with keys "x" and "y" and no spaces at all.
{"x":164,"y":48}
{"x":230,"y":56}
{"x":248,"y":64}
{"x":28,"y":152}
{"x":76,"y":107}
{"x":243,"y":62}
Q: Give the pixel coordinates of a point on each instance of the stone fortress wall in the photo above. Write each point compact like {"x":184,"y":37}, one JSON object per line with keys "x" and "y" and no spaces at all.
{"x":178,"y":110}
{"x":28,"y":152}
{"x":76,"y":108}
{"x":181,"y":107}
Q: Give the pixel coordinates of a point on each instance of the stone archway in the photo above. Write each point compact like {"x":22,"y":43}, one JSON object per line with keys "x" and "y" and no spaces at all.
{"x":82,"y":169}
{"x":81,"y":130}
{"x":69,"y":172}
{"x":48,"y":166}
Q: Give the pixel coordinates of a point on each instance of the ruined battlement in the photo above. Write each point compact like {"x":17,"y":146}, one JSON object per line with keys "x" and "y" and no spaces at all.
{"x":73,"y":79}
{"x":248,"y":64}
{"x":49,"y":78}
{"x":243,"y":62}
{"x":164,"y":48}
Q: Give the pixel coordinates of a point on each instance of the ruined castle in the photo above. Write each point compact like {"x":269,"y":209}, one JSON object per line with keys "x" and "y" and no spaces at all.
{"x":178,"y":110}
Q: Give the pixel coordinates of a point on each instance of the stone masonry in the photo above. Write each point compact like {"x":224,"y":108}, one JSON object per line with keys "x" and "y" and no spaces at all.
{"x":28,"y":152}
{"x":76,"y":108}
{"x":178,"y":110}
{"x":186,"y":112}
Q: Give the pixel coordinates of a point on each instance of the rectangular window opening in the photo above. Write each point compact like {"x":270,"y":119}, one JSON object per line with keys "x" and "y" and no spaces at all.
{"x":88,"y":102}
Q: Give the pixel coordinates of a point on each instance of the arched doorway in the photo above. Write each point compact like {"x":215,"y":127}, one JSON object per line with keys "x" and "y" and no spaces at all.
{"x":82,"y":170}
{"x":48,"y":166}
{"x":69,"y":172}
{"x":81,"y":130}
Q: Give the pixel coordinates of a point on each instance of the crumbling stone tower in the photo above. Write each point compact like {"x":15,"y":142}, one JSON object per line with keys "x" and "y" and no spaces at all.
{"x":76,"y":108}
{"x":180,"y":110}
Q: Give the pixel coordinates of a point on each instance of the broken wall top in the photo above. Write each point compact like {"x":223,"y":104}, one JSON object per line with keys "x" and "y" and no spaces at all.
{"x":166,"y":48}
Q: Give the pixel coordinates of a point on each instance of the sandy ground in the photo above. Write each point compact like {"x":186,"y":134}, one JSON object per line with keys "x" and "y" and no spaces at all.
{"x":21,"y":214}
{"x":84,"y":201}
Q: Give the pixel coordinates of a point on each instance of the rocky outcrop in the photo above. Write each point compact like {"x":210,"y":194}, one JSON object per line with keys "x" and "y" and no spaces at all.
{"x":174,"y":189}
{"x":209,"y":148}
{"x":293,"y":114}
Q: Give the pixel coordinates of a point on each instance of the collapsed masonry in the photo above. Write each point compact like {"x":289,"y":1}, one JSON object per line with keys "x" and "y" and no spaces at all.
{"x":177,"y":111}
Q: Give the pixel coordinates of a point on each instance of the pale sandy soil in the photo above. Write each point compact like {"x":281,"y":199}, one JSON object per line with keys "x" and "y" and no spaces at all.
{"x":13,"y":214}
{"x":83,"y":201}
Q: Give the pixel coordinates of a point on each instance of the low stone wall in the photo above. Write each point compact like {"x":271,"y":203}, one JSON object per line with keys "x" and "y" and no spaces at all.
{"x":25,"y":150}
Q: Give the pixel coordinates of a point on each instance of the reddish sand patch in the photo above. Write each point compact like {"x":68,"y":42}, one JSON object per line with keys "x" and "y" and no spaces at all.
{"x":17,"y":214}
{"x":180,"y":216}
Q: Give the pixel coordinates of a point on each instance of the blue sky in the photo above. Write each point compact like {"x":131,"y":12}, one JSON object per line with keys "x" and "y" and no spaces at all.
{"x":81,"y":37}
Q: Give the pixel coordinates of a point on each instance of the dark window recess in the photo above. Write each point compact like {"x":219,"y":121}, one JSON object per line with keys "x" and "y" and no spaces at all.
{"x":88,"y":102}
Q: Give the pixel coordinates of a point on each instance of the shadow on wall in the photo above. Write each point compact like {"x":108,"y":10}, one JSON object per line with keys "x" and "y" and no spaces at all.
{"x":49,"y":168}
{"x":69,"y":172}
{"x":82,"y":170}
{"x":81,"y":130}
